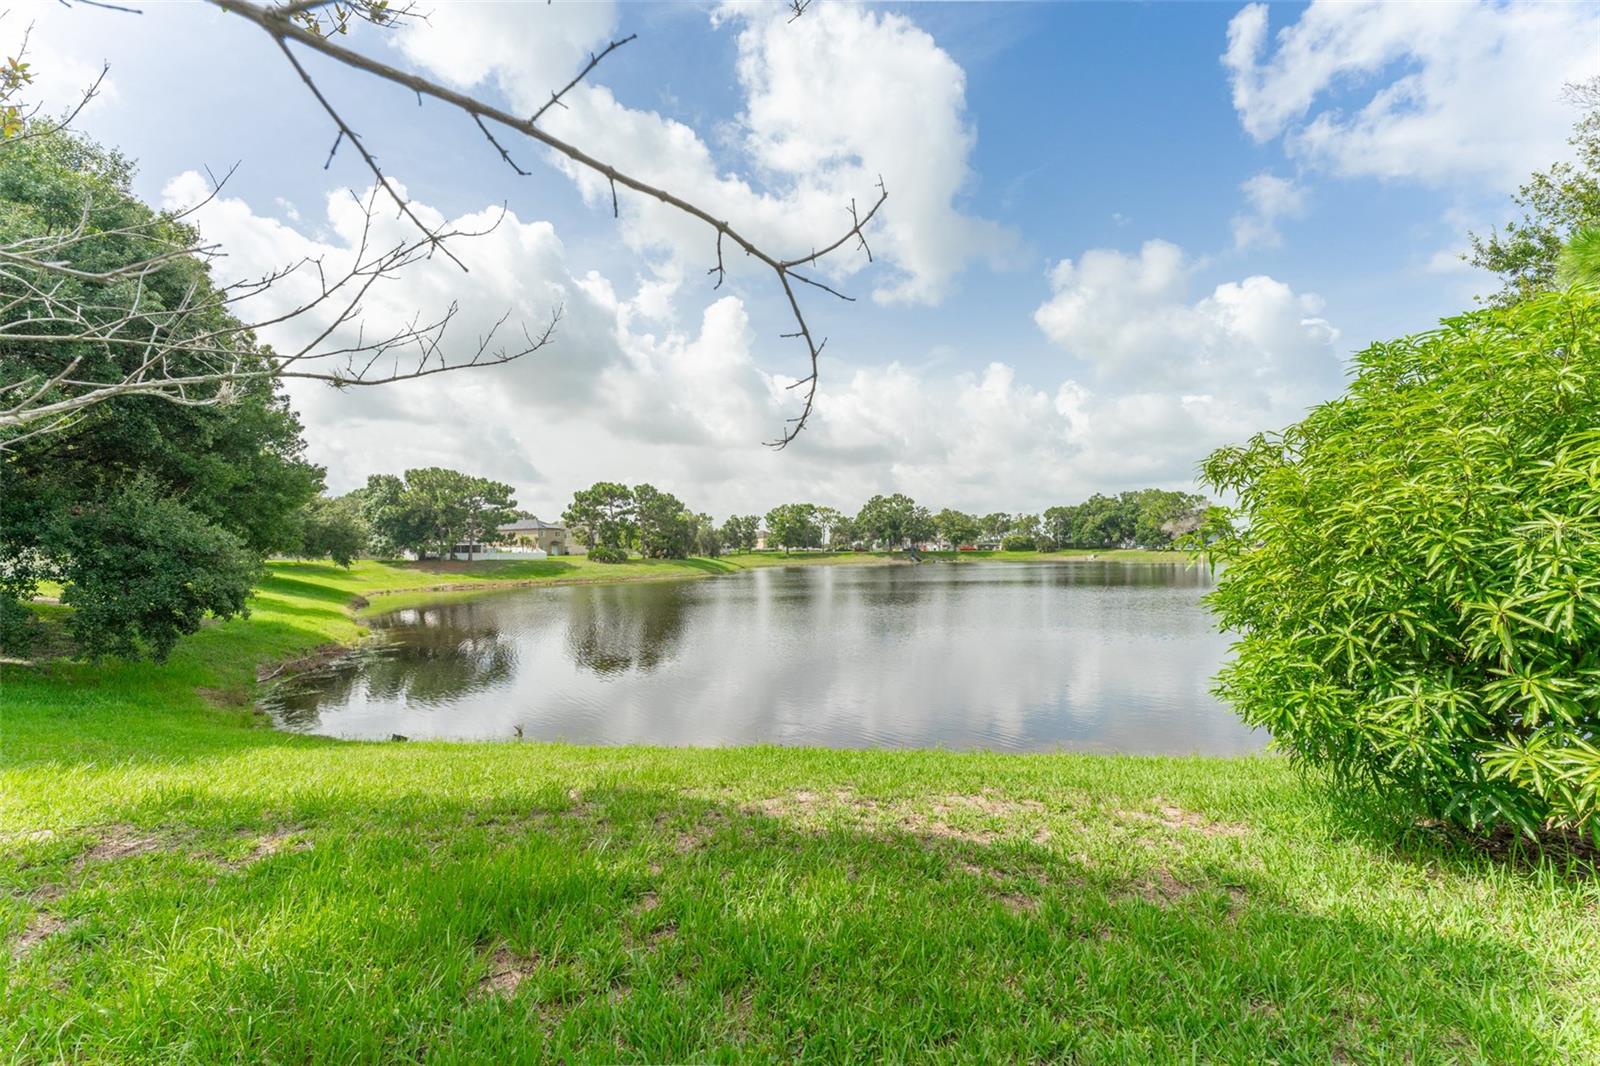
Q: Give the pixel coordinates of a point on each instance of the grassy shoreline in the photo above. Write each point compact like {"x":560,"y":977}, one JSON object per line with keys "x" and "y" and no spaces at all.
{"x":179,"y":883}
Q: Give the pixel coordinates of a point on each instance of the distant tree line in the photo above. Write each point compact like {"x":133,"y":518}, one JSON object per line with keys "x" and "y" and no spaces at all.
{"x":432,"y":510}
{"x":1144,"y":518}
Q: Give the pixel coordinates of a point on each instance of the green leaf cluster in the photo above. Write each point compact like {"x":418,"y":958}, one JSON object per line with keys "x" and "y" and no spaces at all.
{"x":433,"y":508}
{"x":1413,"y":571}
{"x":794,"y":525}
{"x":151,"y":513}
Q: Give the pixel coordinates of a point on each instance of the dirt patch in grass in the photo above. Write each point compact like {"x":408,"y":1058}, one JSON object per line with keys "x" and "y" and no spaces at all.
{"x":123,"y":842}
{"x":507,"y":970}
{"x":30,"y":836}
{"x":945,"y":818}
{"x":697,"y":835}
{"x":1161,"y":888}
{"x":1172,"y":816}
{"x":42,"y":926}
{"x":270,"y":844}
{"x":1017,"y":903}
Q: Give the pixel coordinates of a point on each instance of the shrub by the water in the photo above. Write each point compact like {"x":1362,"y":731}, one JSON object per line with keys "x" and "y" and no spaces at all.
{"x":602,"y":553}
{"x":1415,"y":572}
{"x":1018,"y":543}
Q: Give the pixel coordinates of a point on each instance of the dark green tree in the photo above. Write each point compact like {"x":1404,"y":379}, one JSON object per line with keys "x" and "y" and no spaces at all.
{"x":838,"y":529}
{"x":333,"y":528}
{"x":995,"y":525}
{"x":233,"y":478}
{"x":893,"y":521}
{"x":666,"y":528}
{"x":794,"y":525}
{"x":708,"y":540}
{"x":139,"y":572}
{"x":957,"y":527}
{"x":433,"y":509}
{"x":739,"y":532}
{"x":603,"y":516}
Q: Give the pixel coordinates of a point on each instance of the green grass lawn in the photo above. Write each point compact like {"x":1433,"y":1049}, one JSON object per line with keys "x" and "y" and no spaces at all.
{"x":180,"y":884}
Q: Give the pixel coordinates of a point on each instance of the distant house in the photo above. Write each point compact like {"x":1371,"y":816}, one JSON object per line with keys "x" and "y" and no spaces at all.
{"x":761,"y":539}
{"x":530,"y":534}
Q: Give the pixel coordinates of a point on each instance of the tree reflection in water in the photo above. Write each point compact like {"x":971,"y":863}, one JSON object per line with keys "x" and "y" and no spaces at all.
{"x":617,"y":629}
{"x":428,"y":655}
{"x":1005,"y":656}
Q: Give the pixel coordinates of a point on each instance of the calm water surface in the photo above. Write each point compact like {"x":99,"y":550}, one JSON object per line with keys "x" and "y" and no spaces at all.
{"x":1009,"y":656}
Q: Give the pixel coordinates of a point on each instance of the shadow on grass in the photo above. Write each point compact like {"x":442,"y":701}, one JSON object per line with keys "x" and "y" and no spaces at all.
{"x":640,"y":924}
{"x":1392,"y":830}
{"x":278,"y":583}
{"x":495,"y":568}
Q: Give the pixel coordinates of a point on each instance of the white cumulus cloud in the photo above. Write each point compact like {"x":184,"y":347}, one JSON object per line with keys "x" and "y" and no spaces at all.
{"x":1168,"y":377}
{"x":831,"y":103}
{"x":1268,"y":199}
{"x":1434,"y":92}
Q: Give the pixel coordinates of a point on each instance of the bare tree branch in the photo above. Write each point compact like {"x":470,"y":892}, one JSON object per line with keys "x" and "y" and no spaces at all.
{"x":594,"y":61}
{"x":64,"y":326}
{"x":278,"y":23}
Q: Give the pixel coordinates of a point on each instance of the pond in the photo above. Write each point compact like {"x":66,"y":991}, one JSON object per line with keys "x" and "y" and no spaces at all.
{"x":1090,"y":656}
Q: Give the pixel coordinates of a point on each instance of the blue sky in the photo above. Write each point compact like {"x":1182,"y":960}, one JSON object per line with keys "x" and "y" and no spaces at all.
{"x":1117,"y":234}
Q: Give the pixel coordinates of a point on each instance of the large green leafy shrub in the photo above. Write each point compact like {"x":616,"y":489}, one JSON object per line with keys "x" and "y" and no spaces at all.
{"x":1414,"y":574}
{"x":141,"y":572}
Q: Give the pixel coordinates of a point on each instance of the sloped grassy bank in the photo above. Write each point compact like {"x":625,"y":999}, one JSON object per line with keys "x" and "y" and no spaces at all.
{"x":179,"y":883}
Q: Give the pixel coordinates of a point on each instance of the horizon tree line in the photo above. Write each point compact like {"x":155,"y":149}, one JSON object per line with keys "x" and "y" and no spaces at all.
{"x":432,"y":510}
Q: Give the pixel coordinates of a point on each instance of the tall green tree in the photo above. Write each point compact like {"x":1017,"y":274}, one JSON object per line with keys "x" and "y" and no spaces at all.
{"x":333,"y":528}
{"x":394,"y":526}
{"x":995,"y":524}
{"x":957,"y":527}
{"x":455,"y":508}
{"x":666,"y":528}
{"x":794,"y":525}
{"x":893,"y":521}
{"x":603,"y":516}
{"x":138,"y":468}
{"x":707,"y":538}
{"x":838,"y":530}
{"x":432,"y":509}
{"x":739,"y":532}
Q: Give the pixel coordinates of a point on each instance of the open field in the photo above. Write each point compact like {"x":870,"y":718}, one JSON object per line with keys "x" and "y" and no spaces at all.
{"x":179,"y":883}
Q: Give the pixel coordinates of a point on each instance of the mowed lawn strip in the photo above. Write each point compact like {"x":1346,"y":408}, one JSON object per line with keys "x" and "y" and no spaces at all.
{"x":180,"y":883}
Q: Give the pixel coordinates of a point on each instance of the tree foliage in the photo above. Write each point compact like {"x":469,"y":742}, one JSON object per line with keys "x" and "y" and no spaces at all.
{"x":838,"y":529}
{"x":1557,"y":203}
{"x":432,"y":509}
{"x":333,"y":528}
{"x":217,"y":487}
{"x":739,"y":532}
{"x":957,"y":527}
{"x":603,"y":516}
{"x":666,"y":528}
{"x":794,"y":525}
{"x":1415,"y":570}
{"x":894,"y":521}
{"x":1140,"y":518}
{"x":139,"y":572}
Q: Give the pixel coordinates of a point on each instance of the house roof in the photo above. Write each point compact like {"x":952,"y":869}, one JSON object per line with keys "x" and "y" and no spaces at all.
{"x":528,"y":525}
